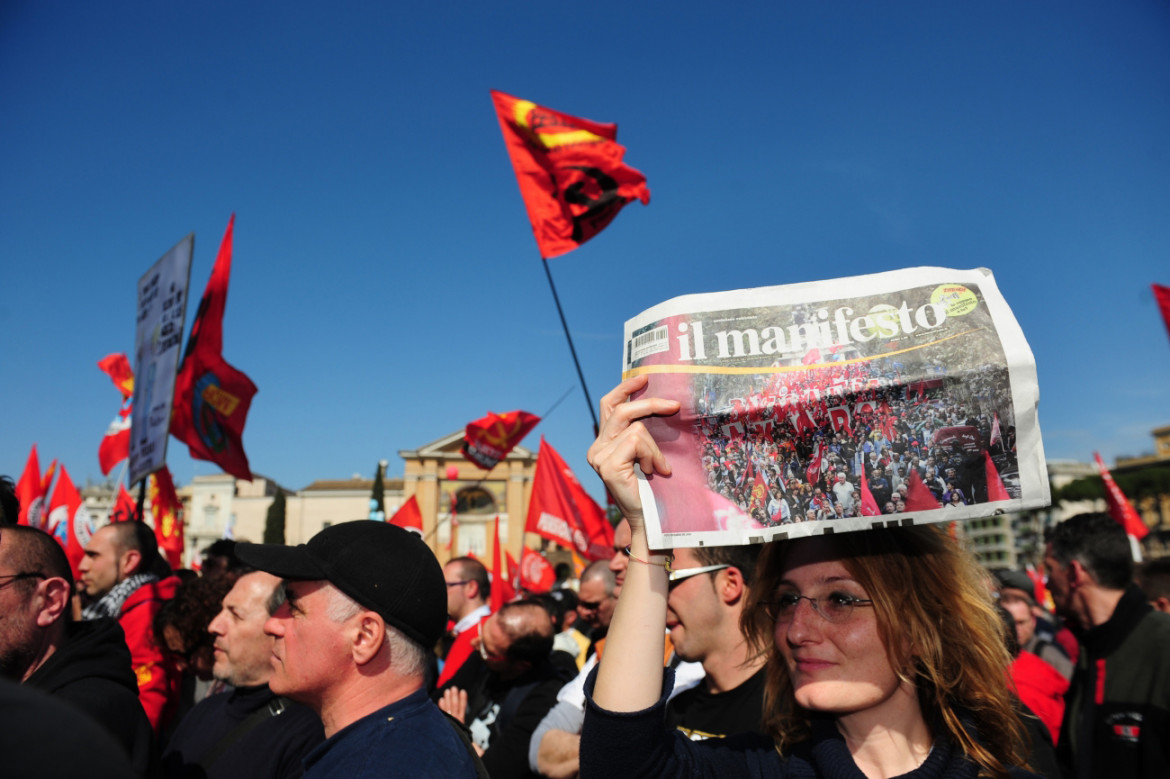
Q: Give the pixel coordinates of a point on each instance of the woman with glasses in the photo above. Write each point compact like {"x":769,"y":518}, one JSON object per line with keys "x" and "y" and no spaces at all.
{"x":885,"y":654}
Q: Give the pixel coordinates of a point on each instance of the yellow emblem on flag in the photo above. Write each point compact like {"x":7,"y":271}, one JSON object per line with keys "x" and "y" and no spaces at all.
{"x":144,"y":674}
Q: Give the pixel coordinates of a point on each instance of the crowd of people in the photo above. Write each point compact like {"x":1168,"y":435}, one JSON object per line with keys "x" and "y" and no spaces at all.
{"x":822,"y":443}
{"x":359,"y":653}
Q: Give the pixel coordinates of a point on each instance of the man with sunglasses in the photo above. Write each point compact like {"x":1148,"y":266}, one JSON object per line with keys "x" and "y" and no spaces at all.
{"x":85,"y":664}
{"x":468,"y":591}
{"x":708,"y":589}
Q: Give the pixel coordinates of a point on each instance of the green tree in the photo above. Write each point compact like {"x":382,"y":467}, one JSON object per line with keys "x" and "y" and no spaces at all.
{"x":274,"y":523}
{"x":378,"y":497}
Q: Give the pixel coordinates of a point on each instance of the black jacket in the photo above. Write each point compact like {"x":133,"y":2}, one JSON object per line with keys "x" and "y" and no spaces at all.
{"x":91,"y":671}
{"x":1117,"y":708}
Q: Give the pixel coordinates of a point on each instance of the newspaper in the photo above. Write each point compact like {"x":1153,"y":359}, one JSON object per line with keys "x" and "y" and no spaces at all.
{"x":873,"y":401}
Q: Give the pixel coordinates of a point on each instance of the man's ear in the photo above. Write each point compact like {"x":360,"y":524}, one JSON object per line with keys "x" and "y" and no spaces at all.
{"x":731,"y":586}
{"x":368,"y":637}
{"x":1078,"y":576}
{"x":129,"y":562}
{"x":52,"y":600}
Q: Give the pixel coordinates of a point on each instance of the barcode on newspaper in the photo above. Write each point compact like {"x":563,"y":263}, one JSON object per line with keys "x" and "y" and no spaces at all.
{"x":648,"y":343}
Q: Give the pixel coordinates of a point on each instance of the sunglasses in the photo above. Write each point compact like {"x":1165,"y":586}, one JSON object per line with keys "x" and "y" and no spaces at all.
{"x":678,"y":574}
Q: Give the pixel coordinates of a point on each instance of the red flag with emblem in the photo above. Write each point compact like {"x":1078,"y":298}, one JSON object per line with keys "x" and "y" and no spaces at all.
{"x":117,"y":367}
{"x":115,"y":445}
{"x":211,"y":397}
{"x":30,"y":492}
{"x":561,"y":511}
{"x":570,"y":172}
{"x":167,"y":511}
{"x":1119,"y":506}
{"x":125,"y":507}
{"x":536,"y":573}
{"x":69,"y":521}
{"x":408,"y":516}
{"x":487,"y":441}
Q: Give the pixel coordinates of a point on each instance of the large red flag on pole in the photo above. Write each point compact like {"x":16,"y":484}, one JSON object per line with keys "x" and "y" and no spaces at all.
{"x":1162,"y":295}
{"x":502,"y":591}
{"x":117,"y":367}
{"x":168,"y":515}
{"x":536,"y":573}
{"x":211,"y":397}
{"x":408,"y":516}
{"x":570,"y":172}
{"x":1119,"y":506}
{"x":561,"y":511}
{"x":115,"y":445}
{"x":487,"y":441}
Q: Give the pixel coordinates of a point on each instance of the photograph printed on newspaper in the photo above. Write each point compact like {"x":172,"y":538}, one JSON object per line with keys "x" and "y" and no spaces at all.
{"x":896,"y":398}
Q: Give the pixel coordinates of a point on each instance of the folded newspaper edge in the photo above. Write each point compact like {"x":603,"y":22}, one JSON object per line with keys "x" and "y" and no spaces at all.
{"x":895,"y":352}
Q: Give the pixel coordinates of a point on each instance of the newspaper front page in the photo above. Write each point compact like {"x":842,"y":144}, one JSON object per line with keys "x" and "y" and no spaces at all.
{"x":872,"y":401}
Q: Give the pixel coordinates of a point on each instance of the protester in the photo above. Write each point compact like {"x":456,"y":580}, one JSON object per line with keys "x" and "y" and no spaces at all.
{"x":596,"y":598}
{"x":246,"y":731}
{"x":504,"y":690}
{"x":562,"y":605}
{"x":885,"y":653}
{"x":180,"y":626}
{"x":708,"y":589}
{"x":468,"y":590}
{"x":1041,"y":727}
{"x":1117,"y":713}
{"x":219,"y":559}
{"x":126,"y":578}
{"x":84,"y":664}
{"x":1017,"y":596}
{"x":365,"y":602}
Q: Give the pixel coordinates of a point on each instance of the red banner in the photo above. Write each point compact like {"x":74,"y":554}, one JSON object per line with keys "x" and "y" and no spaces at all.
{"x":918,"y":495}
{"x":211,"y":397}
{"x":115,"y":445}
{"x":995,"y":489}
{"x":1119,"y":506}
{"x":487,"y":441}
{"x":536,"y":573}
{"x":117,"y":367}
{"x":167,"y":511}
{"x":561,"y":511}
{"x":1162,"y":295}
{"x":69,"y":521}
{"x":125,"y":507}
{"x":502,"y":591}
{"x":30,"y":492}
{"x":570,"y":172}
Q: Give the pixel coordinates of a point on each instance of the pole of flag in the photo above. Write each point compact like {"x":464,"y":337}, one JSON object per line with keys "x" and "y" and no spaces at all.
{"x":572,"y":350}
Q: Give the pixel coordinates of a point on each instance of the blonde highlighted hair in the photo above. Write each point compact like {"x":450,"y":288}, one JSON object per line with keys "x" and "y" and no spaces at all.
{"x":938,"y":623}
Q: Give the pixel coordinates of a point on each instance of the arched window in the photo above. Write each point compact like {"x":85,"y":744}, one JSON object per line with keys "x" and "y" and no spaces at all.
{"x":475,"y":500}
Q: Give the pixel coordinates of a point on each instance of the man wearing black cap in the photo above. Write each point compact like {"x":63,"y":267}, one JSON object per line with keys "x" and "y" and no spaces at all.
{"x":365,"y":601}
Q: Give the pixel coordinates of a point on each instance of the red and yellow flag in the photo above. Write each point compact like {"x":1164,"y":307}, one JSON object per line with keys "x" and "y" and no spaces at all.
{"x":487,"y":441}
{"x":168,"y":515}
{"x":570,"y":172}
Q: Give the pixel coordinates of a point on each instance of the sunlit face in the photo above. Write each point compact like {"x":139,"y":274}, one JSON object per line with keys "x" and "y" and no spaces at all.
{"x":100,"y":568}
{"x":309,"y":646}
{"x":243,"y":651}
{"x":622,"y":536}
{"x":493,"y":643}
{"x":839,"y":668}
{"x":595,"y":607}
{"x":692,"y":610}
{"x":18,"y":628}
{"x":457,"y":601}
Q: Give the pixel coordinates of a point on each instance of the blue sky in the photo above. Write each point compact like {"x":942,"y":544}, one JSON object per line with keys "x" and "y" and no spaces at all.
{"x":386,"y":287}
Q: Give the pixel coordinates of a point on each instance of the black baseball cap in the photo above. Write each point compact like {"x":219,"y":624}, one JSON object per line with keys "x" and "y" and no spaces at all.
{"x":381,"y":566}
{"x":1017,"y":580}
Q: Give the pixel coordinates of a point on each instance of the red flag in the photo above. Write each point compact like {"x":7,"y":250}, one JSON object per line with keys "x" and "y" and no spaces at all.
{"x":30,"y":493}
{"x":570,"y":172}
{"x":487,"y":441}
{"x":69,"y":521}
{"x":995,"y":489}
{"x":115,"y":445}
{"x":513,"y":570}
{"x":1162,"y":295}
{"x":869,"y":506}
{"x":817,"y":464}
{"x":1119,"y":506}
{"x":211,"y":397}
{"x":502,"y":591}
{"x":125,"y":507}
{"x":561,"y":511}
{"x":918,"y":495}
{"x":408,"y":516}
{"x":168,"y":515}
{"x":1040,"y":591}
{"x":536,"y":573}
{"x":117,"y":367}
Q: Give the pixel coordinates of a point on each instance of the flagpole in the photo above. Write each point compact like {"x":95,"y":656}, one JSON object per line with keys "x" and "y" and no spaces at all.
{"x":572,"y":350}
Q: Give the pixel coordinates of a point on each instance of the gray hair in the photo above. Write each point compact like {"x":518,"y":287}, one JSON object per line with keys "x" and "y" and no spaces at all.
{"x":407,"y":657}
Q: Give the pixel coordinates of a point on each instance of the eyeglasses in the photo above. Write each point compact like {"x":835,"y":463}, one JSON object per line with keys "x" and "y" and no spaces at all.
{"x":678,"y":574}
{"x":458,"y":584}
{"x":836,"y":607}
{"x":12,"y":577}
{"x":592,"y":605}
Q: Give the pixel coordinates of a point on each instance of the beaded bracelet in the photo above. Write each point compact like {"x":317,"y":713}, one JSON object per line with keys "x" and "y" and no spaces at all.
{"x":666,"y":565}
